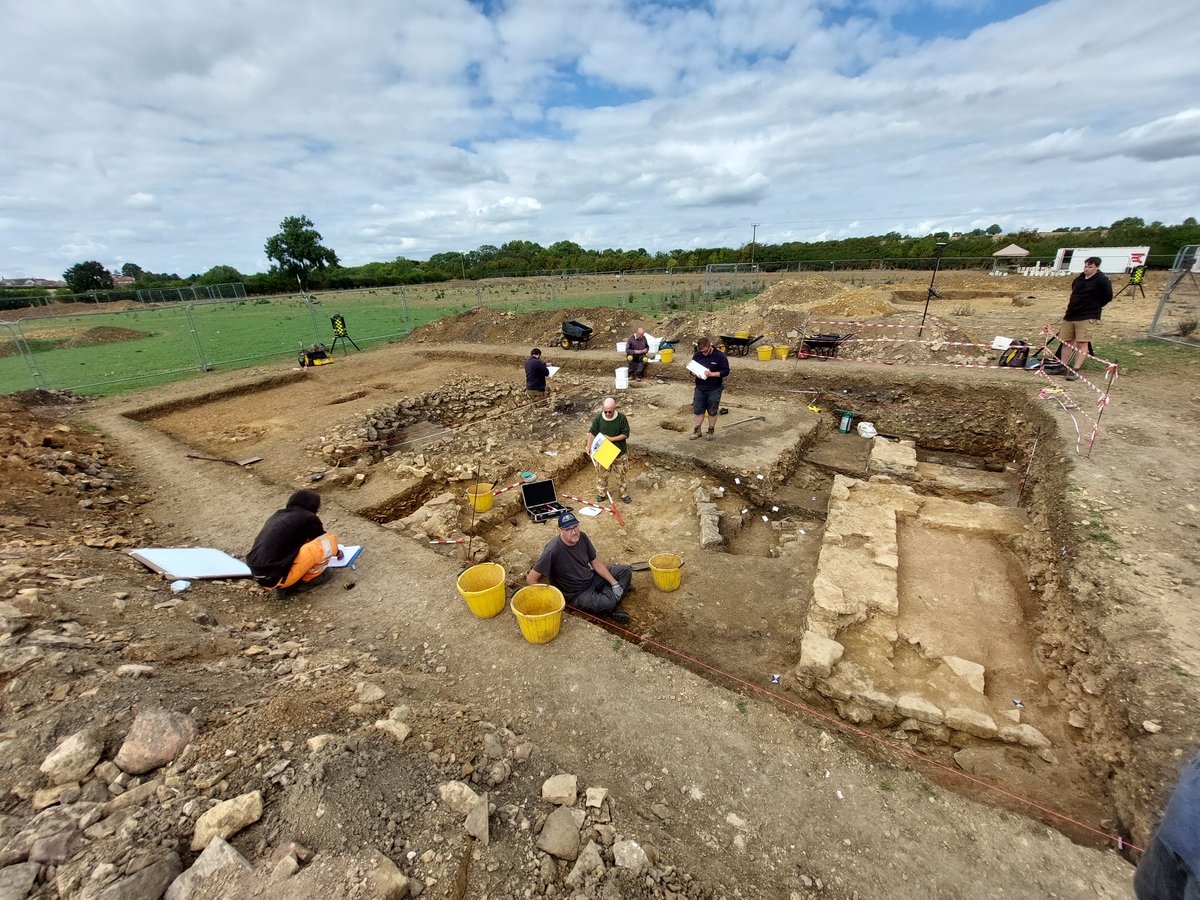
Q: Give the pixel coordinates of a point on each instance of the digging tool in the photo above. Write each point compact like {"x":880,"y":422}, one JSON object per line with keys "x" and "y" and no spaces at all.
{"x":645,"y":566}
{"x":744,"y":421}
{"x":248,"y":461}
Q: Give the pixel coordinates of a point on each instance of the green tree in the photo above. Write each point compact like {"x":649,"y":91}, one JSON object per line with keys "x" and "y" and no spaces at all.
{"x":1190,"y":220}
{"x":994,"y":229}
{"x":297,"y":249}
{"x":131,"y":270}
{"x":88,"y":276}
{"x":220,"y":275}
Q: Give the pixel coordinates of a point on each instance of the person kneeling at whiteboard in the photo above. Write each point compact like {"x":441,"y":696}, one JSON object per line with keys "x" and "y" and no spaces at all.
{"x":293,"y":549}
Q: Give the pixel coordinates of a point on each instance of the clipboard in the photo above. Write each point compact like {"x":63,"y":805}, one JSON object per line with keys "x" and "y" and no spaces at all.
{"x":349,"y":556}
{"x":700,"y":371}
{"x":603,"y":451}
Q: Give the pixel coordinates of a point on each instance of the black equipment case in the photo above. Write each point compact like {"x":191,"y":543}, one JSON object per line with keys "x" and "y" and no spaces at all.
{"x":541,"y":501}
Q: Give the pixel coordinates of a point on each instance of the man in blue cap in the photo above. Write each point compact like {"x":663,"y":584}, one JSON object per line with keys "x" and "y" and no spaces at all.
{"x":569,"y":563}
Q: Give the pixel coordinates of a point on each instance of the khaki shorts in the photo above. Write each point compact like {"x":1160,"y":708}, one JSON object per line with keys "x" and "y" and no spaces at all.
{"x":1080,"y":332}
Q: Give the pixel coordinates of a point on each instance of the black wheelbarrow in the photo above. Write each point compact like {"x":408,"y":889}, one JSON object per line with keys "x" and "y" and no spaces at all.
{"x":575,"y":335}
{"x":735,"y":345}
{"x":822,"y":346}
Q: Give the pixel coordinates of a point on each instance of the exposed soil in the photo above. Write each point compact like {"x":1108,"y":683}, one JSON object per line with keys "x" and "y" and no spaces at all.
{"x":737,"y":785}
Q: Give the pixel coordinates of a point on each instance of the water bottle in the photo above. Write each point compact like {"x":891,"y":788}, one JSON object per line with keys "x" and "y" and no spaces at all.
{"x":844,"y":425}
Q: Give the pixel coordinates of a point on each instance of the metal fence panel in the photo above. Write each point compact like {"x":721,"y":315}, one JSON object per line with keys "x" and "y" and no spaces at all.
{"x":17,"y":371}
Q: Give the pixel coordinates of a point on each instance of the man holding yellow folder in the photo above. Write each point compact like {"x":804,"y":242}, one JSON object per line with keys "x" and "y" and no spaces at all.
{"x":615,"y":428}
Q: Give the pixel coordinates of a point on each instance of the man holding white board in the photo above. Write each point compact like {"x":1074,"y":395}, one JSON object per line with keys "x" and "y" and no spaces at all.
{"x":710,"y":368}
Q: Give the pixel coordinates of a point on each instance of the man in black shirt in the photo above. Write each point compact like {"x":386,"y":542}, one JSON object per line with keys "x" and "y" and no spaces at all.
{"x":292,"y":551}
{"x":536,"y":373}
{"x":570,"y":563}
{"x":1090,"y":293}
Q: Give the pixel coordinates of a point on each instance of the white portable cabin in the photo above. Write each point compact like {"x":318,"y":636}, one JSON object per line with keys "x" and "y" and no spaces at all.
{"x":1112,"y":259}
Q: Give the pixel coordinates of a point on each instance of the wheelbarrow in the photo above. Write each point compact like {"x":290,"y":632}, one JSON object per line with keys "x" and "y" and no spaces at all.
{"x":736,"y":345}
{"x":575,"y":335}
{"x":822,"y":346}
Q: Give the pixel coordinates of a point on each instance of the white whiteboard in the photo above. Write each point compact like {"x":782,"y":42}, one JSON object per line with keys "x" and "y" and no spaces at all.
{"x":191,"y":562}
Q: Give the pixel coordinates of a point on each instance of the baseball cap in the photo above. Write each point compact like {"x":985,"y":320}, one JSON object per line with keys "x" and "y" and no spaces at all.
{"x":567,"y":520}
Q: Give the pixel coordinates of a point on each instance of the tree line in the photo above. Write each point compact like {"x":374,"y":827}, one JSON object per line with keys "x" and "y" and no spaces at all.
{"x":301,"y":260}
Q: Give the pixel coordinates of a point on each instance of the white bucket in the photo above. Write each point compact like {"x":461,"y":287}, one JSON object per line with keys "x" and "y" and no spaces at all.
{"x":620,"y":346}
{"x":622,"y":377}
{"x":653,"y":342}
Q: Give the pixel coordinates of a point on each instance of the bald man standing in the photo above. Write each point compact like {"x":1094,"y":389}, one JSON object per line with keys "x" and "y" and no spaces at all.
{"x":614,"y":426}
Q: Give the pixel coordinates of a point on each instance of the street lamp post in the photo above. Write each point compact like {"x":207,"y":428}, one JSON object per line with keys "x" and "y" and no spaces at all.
{"x":753,"y":241}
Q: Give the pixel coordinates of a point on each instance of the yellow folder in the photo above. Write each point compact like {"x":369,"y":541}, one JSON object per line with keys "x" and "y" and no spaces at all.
{"x":604,"y":451}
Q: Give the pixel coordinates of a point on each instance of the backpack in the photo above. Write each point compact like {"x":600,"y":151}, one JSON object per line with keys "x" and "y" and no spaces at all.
{"x":1016,"y":355}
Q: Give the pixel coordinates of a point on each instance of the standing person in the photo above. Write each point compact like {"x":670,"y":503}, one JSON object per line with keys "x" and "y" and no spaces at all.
{"x":293,"y":549}
{"x":614,"y":426}
{"x":1170,"y":867}
{"x":536,"y":373}
{"x":1090,"y":293}
{"x":569,"y":562}
{"x":707,"y":396}
{"x":636,"y":347}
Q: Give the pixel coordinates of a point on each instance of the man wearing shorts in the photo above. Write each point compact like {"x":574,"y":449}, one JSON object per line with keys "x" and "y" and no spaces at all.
{"x":707,"y":396}
{"x":1090,"y":293}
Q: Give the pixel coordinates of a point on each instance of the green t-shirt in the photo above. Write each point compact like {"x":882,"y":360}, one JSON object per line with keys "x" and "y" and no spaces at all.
{"x":618,"y":424}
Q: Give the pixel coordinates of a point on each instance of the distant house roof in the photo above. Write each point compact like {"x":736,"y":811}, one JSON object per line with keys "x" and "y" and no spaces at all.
{"x":31,"y":282}
{"x":1012,"y":250}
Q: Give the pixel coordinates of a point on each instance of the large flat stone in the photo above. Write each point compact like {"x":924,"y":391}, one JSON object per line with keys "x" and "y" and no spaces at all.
{"x":818,"y":655}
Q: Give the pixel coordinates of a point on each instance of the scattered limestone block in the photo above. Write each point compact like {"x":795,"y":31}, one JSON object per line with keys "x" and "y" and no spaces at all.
{"x":589,"y":861}
{"x":476,"y":822}
{"x":972,"y":722}
{"x":1025,"y":735}
{"x":818,"y":656}
{"x":386,"y":881}
{"x":148,"y":882}
{"x":318,"y":742}
{"x":561,"y":789}
{"x":630,"y":855}
{"x":369,"y":693}
{"x":227,"y":818}
{"x":896,"y":458}
{"x":398,"y":730}
{"x":218,"y":857}
{"x":914,"y":707}
{"x":156,"y":737}
{"x":970,"y":672}
{"x":596,"y":797}
{"x":560,"y":834}
{"x":73,"y":758}
{"x":458,"y":796}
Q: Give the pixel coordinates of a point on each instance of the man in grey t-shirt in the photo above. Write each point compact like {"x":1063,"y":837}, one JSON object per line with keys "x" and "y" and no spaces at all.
{"x":569,"y":562}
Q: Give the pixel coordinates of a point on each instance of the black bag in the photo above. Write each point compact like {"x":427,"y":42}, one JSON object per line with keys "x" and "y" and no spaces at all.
{"x":1016,"y":355}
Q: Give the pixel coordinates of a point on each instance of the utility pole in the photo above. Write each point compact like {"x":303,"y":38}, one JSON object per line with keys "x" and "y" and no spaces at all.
{"x":753,"y":237}
{"x":463,"y":262}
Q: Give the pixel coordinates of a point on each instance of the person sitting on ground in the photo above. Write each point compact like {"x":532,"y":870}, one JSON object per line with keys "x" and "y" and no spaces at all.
{"x":636,"y":348}
{"x":614,"y":426}
{"x":536,"y":373}
{"x":569,"y":563}
{"x":707,"y":396}
{"x":293,"y":549}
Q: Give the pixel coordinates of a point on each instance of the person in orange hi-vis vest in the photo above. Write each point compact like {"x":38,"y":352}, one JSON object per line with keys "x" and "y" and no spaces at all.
{"x":293,"y":549}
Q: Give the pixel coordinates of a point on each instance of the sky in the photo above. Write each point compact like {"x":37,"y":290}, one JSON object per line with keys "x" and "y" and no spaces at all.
{"x":178,"y":135}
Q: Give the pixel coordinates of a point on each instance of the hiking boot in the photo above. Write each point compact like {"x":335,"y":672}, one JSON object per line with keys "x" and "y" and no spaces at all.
{"x":1070,"y":376}
{"x":600,"y":498}
{"x":626,"y":499}
{"x":282,"y":593}
{"x":619,"y":616}
{"x":695,"y":435}
{"x":711,"y":436}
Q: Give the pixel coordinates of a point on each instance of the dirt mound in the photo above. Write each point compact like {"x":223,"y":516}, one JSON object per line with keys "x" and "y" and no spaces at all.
{"x":103,"y":334}
{"x":486,"y":325}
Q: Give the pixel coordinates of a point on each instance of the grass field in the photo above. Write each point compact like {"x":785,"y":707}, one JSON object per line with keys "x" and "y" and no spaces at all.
{"x":104,"y":352}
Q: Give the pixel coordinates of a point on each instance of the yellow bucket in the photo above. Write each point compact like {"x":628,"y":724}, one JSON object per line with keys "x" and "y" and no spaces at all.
{"x":666,"y":354}
{"x":764,"y":353}
{"x":481,"y":496}
{"x":539,"y":611}
{"x":482,"y":586}
{"x":665,"y":569}
{"x":782,"y":352}
{"x":741,"y":334}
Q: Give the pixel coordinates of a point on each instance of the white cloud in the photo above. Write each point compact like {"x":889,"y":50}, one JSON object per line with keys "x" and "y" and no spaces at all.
{"x":178,"y":136}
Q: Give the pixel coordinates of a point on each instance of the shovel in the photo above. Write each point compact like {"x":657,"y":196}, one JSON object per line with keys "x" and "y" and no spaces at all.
{"x":248,"y":461}
{"x":744,"y":421}
{"x":645,"y":566}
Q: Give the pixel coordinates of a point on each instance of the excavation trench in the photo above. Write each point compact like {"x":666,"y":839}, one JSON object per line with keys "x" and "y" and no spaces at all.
{"x":911,"y":586}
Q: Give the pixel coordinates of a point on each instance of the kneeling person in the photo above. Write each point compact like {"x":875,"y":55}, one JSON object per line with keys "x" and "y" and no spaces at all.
{"x":292,"y":551}
{"x":569,"y":562}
